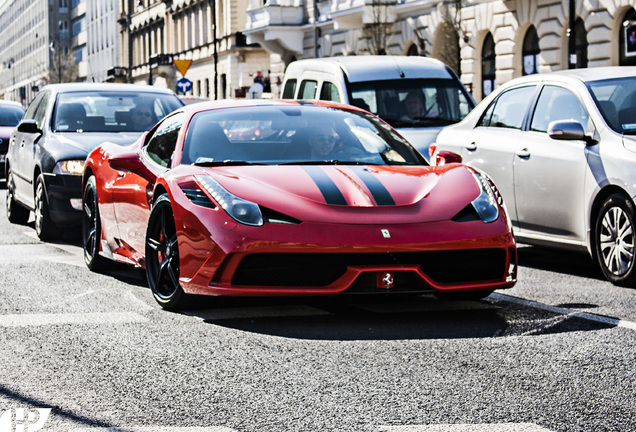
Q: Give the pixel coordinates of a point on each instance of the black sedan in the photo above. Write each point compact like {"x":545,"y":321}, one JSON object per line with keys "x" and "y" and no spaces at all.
{"x":61,"y":126}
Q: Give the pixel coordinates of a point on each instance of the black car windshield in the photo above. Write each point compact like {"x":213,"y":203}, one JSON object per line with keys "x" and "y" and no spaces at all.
{"x":616,"y":100}
{"x":111,"y":111}
{"x":294,"y":134}
{"x":10,"y":115}
{"x":413,"y":102}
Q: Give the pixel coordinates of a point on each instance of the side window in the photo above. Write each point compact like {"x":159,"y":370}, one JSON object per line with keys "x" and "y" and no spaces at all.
{"x":33,"y":106}
{"x":307,"y":89}
{"x":40,"y":112}
{"x":290,"y":89}
{"x":329,"y":92}
{"x":510,"y":108}
{"x":164,"y":140}
{"x":557,"y":103}
{"x":485,"y":120}
{"x":37,"y":108}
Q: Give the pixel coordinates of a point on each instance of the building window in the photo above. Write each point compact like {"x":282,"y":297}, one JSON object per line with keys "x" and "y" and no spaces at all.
{"x":531,"y":52}
{"x":488,"y":70}
{"x":580,"y":45}
{"x":63,"y":26}
{"x":627,"y":40}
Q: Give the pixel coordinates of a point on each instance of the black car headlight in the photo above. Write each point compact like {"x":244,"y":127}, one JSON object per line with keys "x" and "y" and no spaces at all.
{"x":485,"y":204}
{"x":73,"y":167}
{"x":243,"y":211}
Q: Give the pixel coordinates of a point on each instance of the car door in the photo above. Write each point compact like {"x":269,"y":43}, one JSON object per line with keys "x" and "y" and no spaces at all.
{"x":549,"y":174}
{"x":26,"y":148}
{"x":132,"y":192}
{"x":492,"y":144}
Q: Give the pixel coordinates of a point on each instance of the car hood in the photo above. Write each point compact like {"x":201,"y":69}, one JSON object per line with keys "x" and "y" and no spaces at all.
{"x":629,"y":142}
{"x":5,"y":132}
{"x":354,"y":193}
{"x":87,"y":141}
{"x":420,"y":138}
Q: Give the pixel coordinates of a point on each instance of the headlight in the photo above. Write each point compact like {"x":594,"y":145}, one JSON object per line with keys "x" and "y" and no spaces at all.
{"x":486,"y":203}
{"x":241,"y":210}
{"x":74,"y":167}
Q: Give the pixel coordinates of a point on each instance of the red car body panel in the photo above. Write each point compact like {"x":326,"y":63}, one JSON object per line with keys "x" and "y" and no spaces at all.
{"x":400,"y":210}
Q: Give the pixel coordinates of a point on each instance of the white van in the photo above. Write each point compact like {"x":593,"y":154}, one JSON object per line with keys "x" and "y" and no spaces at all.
{"x":384,"y":85}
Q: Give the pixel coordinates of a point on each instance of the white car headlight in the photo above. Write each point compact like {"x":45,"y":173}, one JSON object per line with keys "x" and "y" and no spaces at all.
{"x":243,"y":211}
{"x":74,"y":167}
{"x":486,"y":203}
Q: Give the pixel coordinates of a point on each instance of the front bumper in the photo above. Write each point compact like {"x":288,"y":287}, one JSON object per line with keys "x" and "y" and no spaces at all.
{"x":315,"y":259}
{"x":62,"y":190}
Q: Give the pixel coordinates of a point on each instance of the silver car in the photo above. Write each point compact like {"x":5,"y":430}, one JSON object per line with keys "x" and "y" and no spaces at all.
{"x":561,"y":148}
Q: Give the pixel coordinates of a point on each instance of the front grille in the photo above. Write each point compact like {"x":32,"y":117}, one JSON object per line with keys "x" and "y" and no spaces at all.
{"x":313,"y":269}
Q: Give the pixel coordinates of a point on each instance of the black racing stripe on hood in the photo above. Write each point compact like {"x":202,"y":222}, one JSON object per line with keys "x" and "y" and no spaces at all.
{"x":381,"y":195}
{"x":328,"y":188}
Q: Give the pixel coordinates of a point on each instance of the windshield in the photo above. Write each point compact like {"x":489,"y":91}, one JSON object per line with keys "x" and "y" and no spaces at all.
{"x":108,"y":111}
{"x":295,"y":134}
{"x":10,"y":115}
{"x":616,"y":100}
{"x":413,"y":102}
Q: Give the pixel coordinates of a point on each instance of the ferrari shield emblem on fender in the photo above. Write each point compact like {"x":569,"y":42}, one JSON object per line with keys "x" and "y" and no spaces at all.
{"x":385,"y":280}
{"x":386,"y":233}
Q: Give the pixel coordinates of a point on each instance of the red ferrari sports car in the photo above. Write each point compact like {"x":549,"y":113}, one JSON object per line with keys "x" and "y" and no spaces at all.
{"x":264,"y":198}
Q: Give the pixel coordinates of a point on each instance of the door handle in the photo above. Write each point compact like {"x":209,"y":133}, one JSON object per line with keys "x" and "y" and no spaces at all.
{"x":523,"y":153}
{"x":471,"y":147}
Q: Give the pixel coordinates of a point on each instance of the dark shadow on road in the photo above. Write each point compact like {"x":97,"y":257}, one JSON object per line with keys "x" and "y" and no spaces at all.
{"x":384,"y":318}
{"x":56,"y":411}
{"x":559,"y":261}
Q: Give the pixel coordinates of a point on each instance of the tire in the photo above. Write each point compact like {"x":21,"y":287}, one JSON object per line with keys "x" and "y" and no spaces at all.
{"x":614,"y":240}
{"x":15,"y":212}
{"x":162,"y":257}
{"x":44,"y":227}
{"x":92,"y":228}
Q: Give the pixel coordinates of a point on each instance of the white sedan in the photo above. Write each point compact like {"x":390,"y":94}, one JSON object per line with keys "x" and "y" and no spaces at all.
{"x":561,"y":148}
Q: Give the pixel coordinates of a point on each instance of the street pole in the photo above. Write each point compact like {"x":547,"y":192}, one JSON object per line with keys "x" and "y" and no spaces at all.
{"x":572,"y":60}
{"x":215,"y":51}
{"x":130,"y":41}
{"x":149,"y":55}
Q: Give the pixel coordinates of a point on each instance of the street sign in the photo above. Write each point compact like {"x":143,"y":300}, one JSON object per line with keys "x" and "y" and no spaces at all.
{"x":182,"y":66}
{"x":184,"y":85}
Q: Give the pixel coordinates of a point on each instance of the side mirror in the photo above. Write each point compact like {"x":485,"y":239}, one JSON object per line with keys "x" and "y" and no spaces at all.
{"x":29,"y":126}
{"x":444,"y":157}
{"x":568,"y":130}
{"x":130,"y":162}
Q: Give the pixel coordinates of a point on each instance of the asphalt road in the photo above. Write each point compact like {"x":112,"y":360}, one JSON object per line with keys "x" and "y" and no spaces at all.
{"x":555,"y":353}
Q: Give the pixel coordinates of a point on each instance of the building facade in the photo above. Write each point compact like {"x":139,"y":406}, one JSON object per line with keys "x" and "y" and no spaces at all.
{"x":208,"y":33}
{"x":487,"y":42}
{"x":230,"y":43}
{"x":28,"y":38}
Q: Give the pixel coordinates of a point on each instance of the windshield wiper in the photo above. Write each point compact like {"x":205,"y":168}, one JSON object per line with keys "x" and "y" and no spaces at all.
{"x":327,"y":162}
{"x":209,"y":163}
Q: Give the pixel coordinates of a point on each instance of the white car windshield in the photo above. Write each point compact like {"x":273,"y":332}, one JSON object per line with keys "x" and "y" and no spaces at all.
{"x":616,"y":99}
{"x":413,"y":102}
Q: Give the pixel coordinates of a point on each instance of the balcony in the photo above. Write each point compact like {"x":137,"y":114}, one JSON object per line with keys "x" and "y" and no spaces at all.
{"x":276,"y":26}
{"x":354,"y":14}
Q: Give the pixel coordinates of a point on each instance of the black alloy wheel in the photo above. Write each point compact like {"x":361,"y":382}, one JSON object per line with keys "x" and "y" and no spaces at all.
{"x":15,"y":212}
{"x":162,"y":256}
{"x":92,"y":228}
{"x":44,"y":227}
{"x":614,"y":240}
